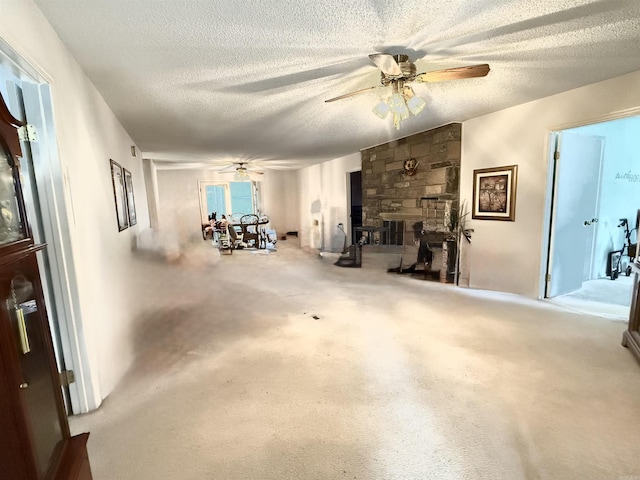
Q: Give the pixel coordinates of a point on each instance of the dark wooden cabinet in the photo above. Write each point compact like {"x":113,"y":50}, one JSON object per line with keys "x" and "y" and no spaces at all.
{"x":36,"y":442}
{"x":631,"y":338}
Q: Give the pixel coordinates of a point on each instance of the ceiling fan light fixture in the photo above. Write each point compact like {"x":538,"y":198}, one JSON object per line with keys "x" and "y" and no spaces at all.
{"x":397,"y":71}
{"x":242,"y":175}
{"x":381,"y":109}
{"x":416,"y":104}
{"x":397,"y":105}
{"x":397,"y":120}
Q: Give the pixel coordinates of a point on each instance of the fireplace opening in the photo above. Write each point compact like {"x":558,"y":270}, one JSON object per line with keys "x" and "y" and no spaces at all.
{"x":393,"y":233}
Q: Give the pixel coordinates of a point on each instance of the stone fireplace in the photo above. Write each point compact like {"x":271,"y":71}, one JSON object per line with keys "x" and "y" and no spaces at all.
{"x":396,"y":196}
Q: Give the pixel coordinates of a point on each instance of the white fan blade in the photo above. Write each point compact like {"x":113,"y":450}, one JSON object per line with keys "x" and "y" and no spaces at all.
{"x":386,"y":63}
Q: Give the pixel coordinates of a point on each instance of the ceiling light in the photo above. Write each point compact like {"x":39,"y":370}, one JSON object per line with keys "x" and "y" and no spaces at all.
{"x":402,"y":105}
{"x":398,"y":105}
{"x":242,"y":175}
{"x":381,"y":109}
{"x":416,"y":104}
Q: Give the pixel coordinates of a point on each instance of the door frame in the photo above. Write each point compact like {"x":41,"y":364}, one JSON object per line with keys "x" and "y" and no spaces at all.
{"x":550,"y":148}
{"x":349,"y":226}
{"x":57,"y":268}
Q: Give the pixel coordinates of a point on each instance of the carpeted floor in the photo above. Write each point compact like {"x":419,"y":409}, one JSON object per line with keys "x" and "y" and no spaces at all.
{"x":604,"y":297}
{"x":605,"y":290}
{"x":283,"y":366}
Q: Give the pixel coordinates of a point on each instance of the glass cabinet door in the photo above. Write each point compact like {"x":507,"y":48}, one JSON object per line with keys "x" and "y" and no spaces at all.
{"x":38,"y":390}
{"x":11,"y":223}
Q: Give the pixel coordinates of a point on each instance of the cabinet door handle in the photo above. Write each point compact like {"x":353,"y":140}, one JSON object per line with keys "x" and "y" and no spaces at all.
{"x":24,"y":385}
{"x":22,"y":332}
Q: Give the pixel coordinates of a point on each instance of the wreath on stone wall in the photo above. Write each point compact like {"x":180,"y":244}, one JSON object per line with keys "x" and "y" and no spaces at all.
{"x":410,"y":167}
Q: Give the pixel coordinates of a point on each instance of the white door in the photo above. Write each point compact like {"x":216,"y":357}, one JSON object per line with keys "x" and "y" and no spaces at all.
{"x":576,"y":186}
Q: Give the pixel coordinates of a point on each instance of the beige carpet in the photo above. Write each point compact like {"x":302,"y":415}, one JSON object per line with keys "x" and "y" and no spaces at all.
{"x":605,"y":290}
{"x":283,"y":366}
{"x":603,"y":297}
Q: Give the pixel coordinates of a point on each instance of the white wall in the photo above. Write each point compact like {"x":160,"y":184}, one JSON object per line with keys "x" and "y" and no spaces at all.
{"x":620,"y":185}
{"x":506,"y":256}
{"x":179,"y":210}
{"x":88,"y":136}
{"x":179,"y":203}
{"x":324,"y":204}
{"x":279,"y":193}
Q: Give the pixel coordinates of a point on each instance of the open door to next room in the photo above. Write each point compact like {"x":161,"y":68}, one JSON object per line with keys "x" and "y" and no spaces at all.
{"x":595,"y":199}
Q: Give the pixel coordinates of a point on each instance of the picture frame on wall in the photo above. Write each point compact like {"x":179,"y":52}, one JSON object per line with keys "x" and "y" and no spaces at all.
{"x":131,"y":204}
{"x":494,"y":193}
{"x":117,"y":178}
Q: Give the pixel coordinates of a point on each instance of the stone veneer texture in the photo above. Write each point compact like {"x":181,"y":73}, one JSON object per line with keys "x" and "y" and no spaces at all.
{"x":429,"y":195}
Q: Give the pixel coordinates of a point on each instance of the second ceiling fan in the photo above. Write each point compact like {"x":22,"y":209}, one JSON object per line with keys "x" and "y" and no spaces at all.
{"x":397,"y":71}
{"x":241,"y":170}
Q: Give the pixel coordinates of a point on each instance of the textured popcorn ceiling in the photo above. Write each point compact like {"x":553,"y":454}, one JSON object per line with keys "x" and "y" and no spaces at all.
{"x":211,"y":80}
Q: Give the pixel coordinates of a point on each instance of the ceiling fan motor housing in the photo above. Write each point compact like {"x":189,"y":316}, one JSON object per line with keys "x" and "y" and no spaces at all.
{"x":407,"y":68}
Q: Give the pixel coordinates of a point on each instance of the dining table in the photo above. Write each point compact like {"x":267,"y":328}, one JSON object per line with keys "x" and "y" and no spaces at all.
{"x":254,"y":230}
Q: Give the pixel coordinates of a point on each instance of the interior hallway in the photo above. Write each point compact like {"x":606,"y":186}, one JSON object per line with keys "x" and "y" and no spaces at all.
{"x":397,"y":378}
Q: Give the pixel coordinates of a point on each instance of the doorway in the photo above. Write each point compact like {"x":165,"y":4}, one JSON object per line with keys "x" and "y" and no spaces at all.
{"x":28,"y":98}
{"x":355,"y":205}
{"x":594,"y":180}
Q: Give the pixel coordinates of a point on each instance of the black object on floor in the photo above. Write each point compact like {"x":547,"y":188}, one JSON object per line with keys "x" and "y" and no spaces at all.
{"x":614,"y":260}
{"x":352,"y":257}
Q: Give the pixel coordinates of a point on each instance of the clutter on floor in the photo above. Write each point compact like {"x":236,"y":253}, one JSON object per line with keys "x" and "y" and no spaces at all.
{"x":352,"y":255}
{"x":619,"y":261}
{"x":240,"y":231}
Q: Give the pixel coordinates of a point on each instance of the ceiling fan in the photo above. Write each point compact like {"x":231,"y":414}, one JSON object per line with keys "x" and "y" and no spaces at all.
{"x":241,"y":170}
{"x":398,"y":72}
